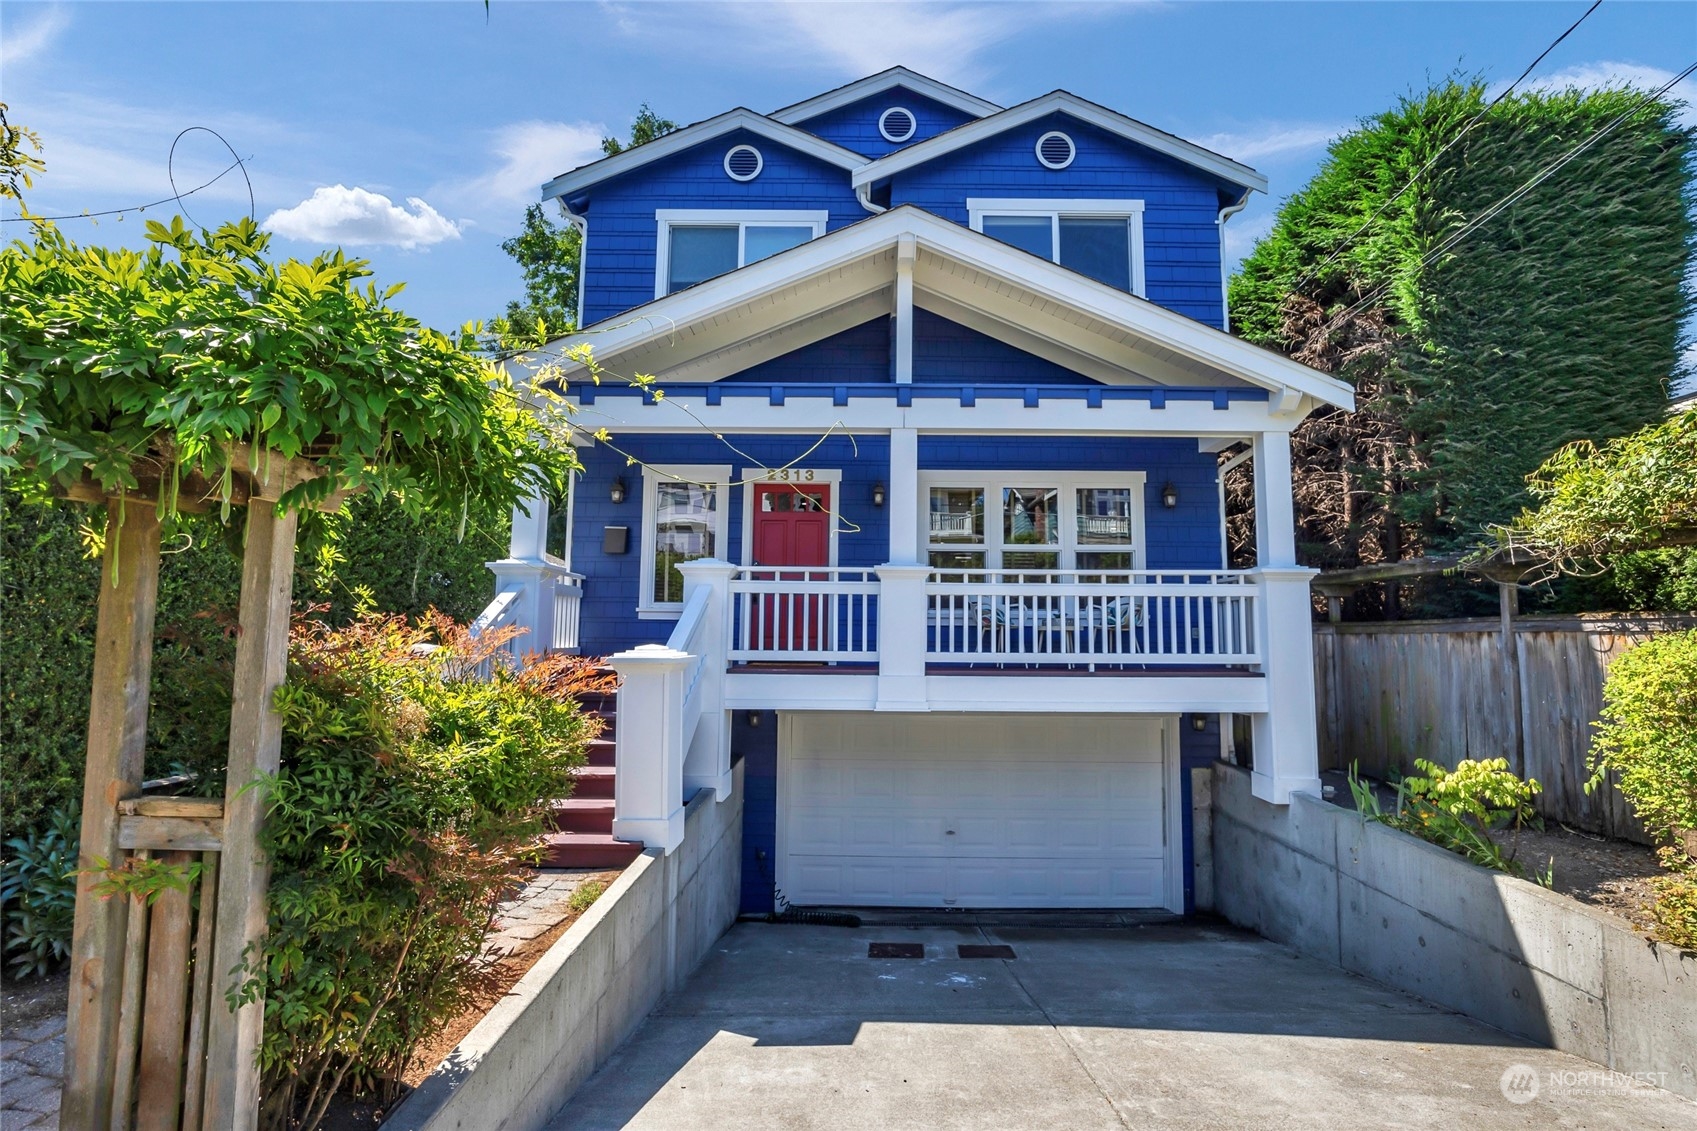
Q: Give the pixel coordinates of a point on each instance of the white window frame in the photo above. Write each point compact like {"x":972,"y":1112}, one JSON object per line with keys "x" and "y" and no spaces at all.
{"x":668,"y":218}
{"x":978,"y":207}
{"x":1068,"y":483}
{"x":753,"y":477}
{"x":719,"y":475}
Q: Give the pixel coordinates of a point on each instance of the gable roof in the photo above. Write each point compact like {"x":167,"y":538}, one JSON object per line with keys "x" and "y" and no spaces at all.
{"x":1061,"y":101}
{"x":677,"y":141}
{"x":877,"y":84}
{"x":844,"y":277}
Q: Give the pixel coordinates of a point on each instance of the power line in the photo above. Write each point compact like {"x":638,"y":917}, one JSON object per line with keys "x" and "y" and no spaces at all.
{"x":1312,"y":272}
{"x":170,"y":174}
{"x":1533,"y":182}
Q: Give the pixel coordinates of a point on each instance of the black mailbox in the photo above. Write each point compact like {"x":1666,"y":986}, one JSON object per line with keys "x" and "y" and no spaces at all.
{"x":615,"y":539}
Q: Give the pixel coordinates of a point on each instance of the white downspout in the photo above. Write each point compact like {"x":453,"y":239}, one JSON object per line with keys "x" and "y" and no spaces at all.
{"x":581,"y":223}
{"x":864,"y":195}
{"x":1227,"y":213}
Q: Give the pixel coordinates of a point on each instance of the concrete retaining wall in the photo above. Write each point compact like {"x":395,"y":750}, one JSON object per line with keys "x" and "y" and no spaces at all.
{"x":1411,"y":915}
{"x":592,"y":989}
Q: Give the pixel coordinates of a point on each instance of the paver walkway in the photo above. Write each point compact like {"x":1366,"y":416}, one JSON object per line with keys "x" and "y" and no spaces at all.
{"x":1180,"y":1026}
{"x":32,"y":1059}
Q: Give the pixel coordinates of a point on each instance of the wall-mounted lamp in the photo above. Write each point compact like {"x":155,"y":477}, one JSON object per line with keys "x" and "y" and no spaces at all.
{"x":878,"y":493}
{"x":754,"y":718}
{"x":617,"y":494}
{"x":1199,"y":723}
{"x":1169,"y":496}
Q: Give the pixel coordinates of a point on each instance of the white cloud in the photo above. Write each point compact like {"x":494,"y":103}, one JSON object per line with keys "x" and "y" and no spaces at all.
{"x":1604,"y":75}
{"x":529,"y":153}
{"x":1272,"y":140}
{"x":33,"y":37}
{"x":355,"y":216}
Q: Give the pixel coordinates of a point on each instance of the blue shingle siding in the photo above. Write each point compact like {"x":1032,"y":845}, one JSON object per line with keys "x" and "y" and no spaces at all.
{"x":855,"y":126}
{"x":859,"y":355}
{"x":1181,"y":242}
{"x":947,"y":353}
{"x":757,"y":747}
{"x":1186,"y":537}
{"x":619,"y":258}
{"x":1196,"y":749}
{"x":610,"y":587}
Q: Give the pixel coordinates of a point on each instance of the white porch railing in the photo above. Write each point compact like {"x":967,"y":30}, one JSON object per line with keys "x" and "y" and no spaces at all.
{"x":541,"y":597}
{"x":568,"y":605}
{"x":1073,"y":616}
{"x":804,"y":614}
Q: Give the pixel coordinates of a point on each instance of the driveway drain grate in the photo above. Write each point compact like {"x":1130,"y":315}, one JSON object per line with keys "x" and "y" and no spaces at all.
{"x":895,"y":950}
{"x":985,"y":950}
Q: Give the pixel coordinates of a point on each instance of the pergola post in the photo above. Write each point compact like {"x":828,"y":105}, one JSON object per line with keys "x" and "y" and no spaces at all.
{"x":256,"y":741}
{"x":117,"y":738}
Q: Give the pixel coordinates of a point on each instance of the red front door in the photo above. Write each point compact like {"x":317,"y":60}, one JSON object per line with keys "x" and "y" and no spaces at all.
{"x":792,"y":527}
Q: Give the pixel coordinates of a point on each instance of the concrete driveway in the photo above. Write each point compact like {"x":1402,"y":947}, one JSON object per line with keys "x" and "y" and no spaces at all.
{"x":1161,"y":1025}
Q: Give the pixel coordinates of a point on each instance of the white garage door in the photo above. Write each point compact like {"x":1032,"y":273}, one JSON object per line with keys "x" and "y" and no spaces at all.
{"x":973,"y":811}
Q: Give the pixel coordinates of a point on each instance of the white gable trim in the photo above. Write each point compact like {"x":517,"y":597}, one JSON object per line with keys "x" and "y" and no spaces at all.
{"x":677,"y":141}
{"x":1048,"y":285}
{"x":1098,"y":116}
{"x":877,"y":84}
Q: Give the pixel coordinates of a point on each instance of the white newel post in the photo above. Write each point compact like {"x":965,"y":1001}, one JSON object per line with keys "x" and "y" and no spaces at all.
{"x":648,"y":785}
{"x":1286,"y":738}
{"x":707,"y":760}
{"x":526,"y":571}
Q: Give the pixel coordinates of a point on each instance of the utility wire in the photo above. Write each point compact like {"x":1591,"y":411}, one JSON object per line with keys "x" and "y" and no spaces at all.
{"x":170,"y":173}
{"x":1312,"y":272}
{"x":1533,"y":182}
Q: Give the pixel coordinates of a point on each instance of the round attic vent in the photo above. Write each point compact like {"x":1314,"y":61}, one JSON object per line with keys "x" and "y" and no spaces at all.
{"x":743,"y":163}
{"x":897,"y":124}
{"x":1055,"y":150}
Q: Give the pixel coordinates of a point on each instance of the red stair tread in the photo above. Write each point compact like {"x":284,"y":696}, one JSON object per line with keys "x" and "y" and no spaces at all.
{"x":587,"y":850}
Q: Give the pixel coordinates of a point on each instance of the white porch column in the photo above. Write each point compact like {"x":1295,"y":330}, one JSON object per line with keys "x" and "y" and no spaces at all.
{"x":906,"y":252}
{"x":901,"y":637}
{"x":904,"y":496}
{"x":529,"y":541}
{"x":1286,"y":738}
{"x":649,"y":754}
{"x":707,"y":757}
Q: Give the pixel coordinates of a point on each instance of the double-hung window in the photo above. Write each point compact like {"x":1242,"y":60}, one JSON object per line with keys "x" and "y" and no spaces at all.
{"x":1083,"y":522}
{"x":1102,"y":239}
{"x":684,"y":517}
{"x":698,"y":244}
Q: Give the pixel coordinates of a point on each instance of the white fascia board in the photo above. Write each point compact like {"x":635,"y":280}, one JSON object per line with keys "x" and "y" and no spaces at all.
{"x":689,"y":413}
{"x":1101,"y":117}
{"x":877,"y":84}
{"x":1098,"y":693}
{"x":1140,"y":317}
{"x":679,"y":140}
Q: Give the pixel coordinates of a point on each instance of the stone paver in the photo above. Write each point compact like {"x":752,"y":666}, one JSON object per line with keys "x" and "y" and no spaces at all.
{"x":537,"y":908}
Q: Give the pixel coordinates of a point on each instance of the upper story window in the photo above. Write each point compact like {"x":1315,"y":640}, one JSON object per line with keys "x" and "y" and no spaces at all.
{"x":1102,"y":239}
{"x":1033,"y":521}
{"x":695,"y":245}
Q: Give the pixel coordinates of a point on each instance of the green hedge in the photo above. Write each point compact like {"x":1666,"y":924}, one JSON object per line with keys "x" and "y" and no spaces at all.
{"x":49,"y":587}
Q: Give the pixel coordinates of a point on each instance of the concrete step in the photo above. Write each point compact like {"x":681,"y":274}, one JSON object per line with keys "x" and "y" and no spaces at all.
{"x":587,"y":850}
{"x":594,"y":781}
{"x":582,"y":815}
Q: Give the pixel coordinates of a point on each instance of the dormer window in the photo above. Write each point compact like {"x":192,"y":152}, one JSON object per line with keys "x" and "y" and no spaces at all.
{"x":1101,"y":239}
{"x":697,"y":245}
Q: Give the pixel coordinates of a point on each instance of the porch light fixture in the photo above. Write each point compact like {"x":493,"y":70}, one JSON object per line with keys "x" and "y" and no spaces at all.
{"x":878,"y":493}
{"x":754,"y":718}
{"x":617,"y":494}
{"x":1169,"y":496}
{"x":1198,"y":723}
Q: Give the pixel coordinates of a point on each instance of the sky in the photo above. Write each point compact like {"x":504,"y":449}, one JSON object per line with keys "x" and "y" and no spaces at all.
{"x":415,"y":134}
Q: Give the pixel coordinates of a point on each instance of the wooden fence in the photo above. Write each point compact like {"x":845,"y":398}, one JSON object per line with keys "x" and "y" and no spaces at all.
{"x":1448,"y":690}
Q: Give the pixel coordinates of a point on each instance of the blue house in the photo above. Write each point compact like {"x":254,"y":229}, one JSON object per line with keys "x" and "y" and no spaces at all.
{"x":921,"y":515}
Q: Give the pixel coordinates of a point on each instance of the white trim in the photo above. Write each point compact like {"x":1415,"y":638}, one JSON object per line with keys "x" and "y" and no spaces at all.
{"x":1172,"y":797}
{"x":575,"y":181}
{"x":717,"y":474}
{"x":883,"y":125}
{"x":978,"y":207}
{"x":876,"y":84}
{"x":836,"y":251}
{"x":759,"y":162}
{"x":1099,"y":116}
{"x":1067,"y":484}
{"x":752,"y":477}
{"x":667,"y":218}
{"x":1072,"y":150}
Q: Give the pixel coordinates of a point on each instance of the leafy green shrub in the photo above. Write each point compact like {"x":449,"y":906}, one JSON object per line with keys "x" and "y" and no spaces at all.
{"x":1647,"y":741}
{"x":584,"y":897}
{"x":1458,"y":809}
{"x":409,"y":791}
{"x":38,"y":891}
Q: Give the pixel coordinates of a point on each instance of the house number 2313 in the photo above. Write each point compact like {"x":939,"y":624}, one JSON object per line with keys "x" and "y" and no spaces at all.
{"x":788,"y":475}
